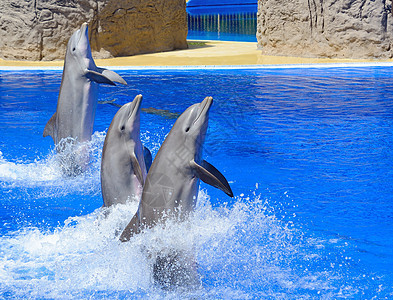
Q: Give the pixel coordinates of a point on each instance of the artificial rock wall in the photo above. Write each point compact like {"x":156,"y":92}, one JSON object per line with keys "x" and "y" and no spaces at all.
{"x":40,"y":29}
{"x":326,"y":28}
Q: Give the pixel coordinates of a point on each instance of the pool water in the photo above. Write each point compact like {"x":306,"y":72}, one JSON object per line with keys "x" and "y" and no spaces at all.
{"x":239,"y":27}
{"x":220,"y":36}
{"x":307,"y":152}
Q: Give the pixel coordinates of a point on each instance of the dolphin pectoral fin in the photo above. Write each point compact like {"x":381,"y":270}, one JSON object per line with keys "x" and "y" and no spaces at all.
{"x":148,"y":158}
{"x":137,"y":168}
{"x":210,"y":175}
{"x":112,"y":75}
{"x":131,"y":229}
{"x":50,"y":127}
{"x":98,"y":77}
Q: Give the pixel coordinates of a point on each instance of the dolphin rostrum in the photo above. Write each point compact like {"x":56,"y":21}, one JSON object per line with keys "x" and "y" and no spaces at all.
{"x":123,"y":164}
{"x":172,"y":183}
{"x":76,"y":105}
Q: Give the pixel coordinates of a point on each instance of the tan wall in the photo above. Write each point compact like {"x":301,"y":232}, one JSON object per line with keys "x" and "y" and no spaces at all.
{"x":40,"y":29}
{"x":326,"y":28}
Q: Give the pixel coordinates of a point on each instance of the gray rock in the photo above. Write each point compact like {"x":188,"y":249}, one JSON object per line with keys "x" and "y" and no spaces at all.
{"x":326,"y":28}
{"x":40,"y":29}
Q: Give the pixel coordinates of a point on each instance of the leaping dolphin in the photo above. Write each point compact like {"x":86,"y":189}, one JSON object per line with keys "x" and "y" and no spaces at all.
{"x":123,"y":163}
{"x":172,"y":183}
{"x":171,"y":189}
{"x":76,"y":105}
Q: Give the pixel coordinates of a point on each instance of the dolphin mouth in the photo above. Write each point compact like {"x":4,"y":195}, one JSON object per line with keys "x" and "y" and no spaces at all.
{"x":204,"y":107}
{"x":83,"y":31}
{"x":135,"y":106}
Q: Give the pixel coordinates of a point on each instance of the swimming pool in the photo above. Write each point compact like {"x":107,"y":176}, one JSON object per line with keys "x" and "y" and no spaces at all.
{"x":307,"y":152}
{"x":222,"y":20}
{"x":240,"y":27}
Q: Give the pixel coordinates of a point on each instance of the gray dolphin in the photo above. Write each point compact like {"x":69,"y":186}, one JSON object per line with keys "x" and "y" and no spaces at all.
{"x":172,"y":183}
{"x":171,"y":189}
{"x":76,"y":105}
{"x":123,"y":165}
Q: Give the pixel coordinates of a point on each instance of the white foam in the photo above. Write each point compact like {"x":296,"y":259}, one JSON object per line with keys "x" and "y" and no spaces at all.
{"x":39,"y":170}
{"x":47,"y":169}
{"x":241,"y":250}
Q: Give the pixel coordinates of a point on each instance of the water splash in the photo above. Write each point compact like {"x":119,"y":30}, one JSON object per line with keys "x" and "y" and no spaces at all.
{"x":39,"y":170}
{"x":243,"y":251}
{"x":48,"y":169}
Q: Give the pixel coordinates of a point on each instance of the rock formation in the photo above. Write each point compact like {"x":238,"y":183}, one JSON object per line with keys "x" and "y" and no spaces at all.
{"x":326,"y":28}
{"x":40,"y":29}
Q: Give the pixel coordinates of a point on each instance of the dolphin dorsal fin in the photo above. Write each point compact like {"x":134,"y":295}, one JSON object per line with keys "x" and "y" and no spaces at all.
{"x":210,"y":175}
{"x":148,"y":158}
{"x":132,"y":228}
{"x":98,"y":77}
{"x":50,"y":127}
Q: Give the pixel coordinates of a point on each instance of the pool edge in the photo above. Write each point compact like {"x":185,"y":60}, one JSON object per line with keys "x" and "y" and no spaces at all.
{"x":214,"y":67}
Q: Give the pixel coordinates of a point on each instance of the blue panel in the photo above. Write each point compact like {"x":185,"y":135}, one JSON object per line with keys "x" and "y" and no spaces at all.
{"x":222,"y":9}
{"x":218,"y":2}
{"x":197,"y":7}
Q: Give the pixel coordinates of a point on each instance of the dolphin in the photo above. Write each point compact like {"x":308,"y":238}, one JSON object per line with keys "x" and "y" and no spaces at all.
{"x":172,"y":183}
{"x":123,"y":164}
{"x":171,"y":189}
{"x":77,"y":101}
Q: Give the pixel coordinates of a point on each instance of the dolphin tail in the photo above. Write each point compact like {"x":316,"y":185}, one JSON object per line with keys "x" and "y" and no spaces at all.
{"x":50,"y":127}
{"x":113,"y":76}
{"x":210,"y":175}
{"x":131,"y":229}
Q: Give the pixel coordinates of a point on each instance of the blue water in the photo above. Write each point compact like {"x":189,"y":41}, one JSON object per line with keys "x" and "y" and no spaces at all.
{"x":221,"y":36}
{"x":307,"y":152}
{"x":221,"y":7}
{"x":239,"y":27}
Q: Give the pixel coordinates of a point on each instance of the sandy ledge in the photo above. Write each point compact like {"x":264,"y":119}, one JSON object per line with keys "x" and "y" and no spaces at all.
{"x":200,"y":53}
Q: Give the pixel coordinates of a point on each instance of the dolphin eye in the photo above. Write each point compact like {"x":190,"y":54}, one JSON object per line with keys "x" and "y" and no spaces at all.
{"x":122,"y":128}
{"x":73,"y":49}
{"x":187,"y":129}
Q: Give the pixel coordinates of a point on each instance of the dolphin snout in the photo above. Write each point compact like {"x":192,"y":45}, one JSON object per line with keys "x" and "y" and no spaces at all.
{"x":136,"y":104}
{"x":208,"y":101}
{"x":204,"y":107}
{"x":206,"y":104}
{"x":132,"y":109}
{"x":83,"y":31}
{"x":84,"y":27}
